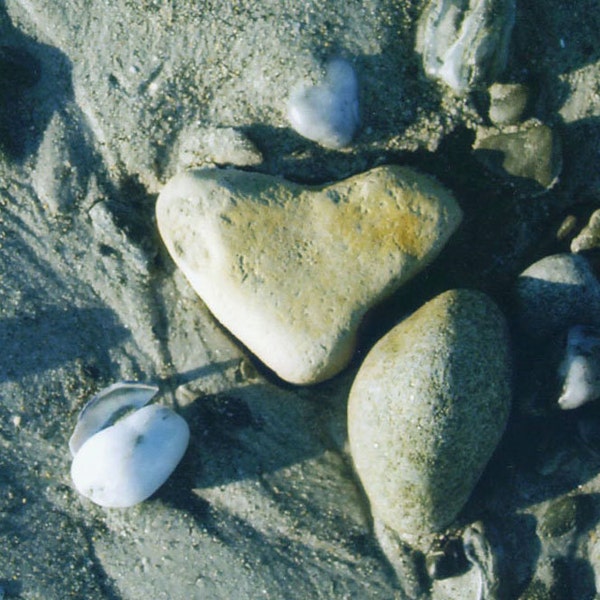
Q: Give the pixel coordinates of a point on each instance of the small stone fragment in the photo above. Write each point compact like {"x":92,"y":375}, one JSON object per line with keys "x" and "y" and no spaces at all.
{"x":530,"y":153}
{"x":507,"y":103}
{"x":291,"y":269}
{"x":580,"y":369}
{"x":562,"y":516}
{"x":485,"y":558}
{"x":427,"y":409}
{"x":589,"y":236}
{"x":556,"y":293}
{"x":464,"y":43}
{"x":446,"y":560}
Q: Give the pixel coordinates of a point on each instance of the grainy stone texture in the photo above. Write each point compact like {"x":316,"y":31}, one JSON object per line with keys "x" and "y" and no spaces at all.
{"x":589,"y":237}
{"x":427,"y":409}
{"x":291,"y":270}
{"x":556,"y":293}
{"x":465,"y":44}
{"x":508,"y":103}
{"x":264,"y":503}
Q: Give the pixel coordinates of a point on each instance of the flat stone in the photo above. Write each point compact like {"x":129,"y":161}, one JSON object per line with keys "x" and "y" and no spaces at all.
{"x":289,"y":269}
{"x":528,"y":154}
{"x":426,"y":411}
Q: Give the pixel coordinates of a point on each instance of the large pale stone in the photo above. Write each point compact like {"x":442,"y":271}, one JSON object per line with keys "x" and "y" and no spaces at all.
{"x":426,"y":411}
{"x":291,"y":269}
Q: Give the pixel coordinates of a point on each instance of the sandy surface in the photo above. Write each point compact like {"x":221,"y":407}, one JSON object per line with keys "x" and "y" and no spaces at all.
{"x":93,"y":119}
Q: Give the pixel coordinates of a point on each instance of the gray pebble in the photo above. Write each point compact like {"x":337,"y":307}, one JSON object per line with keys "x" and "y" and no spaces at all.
{"x":556,"y":293}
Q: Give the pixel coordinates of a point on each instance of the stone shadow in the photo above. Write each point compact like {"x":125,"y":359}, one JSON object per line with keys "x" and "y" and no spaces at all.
{"x":35,"y":81}
{"x":32,"y":344}
{"x":246,"y":433}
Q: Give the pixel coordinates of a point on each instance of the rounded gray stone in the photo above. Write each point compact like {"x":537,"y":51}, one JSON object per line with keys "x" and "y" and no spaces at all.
{"x":554,"y":294}
{"x":427,"y":409}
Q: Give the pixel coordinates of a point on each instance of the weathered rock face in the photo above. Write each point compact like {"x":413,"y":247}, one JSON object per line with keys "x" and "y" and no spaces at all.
{"x":290,"y":269}
{"x":427,"y":409}
{"x":465,"y":43}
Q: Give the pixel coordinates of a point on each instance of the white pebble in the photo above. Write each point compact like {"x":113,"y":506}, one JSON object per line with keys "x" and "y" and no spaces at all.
{"x":580,"y":369}
{"x":327,"y":113}
{"x":125,"y":463}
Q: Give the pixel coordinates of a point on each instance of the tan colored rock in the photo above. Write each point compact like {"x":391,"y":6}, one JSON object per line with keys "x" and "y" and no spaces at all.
{"x":290,"y":269}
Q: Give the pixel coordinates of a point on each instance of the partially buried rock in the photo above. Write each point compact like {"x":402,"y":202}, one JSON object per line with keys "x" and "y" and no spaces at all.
{"x":580,"y":368}
{"x":508,"y":102}
{"x":291,"y":269}
{"x":589,"y":237}
{"x":426,"y":411}
{"x":554,"y":294}
{"x":529,"y":154}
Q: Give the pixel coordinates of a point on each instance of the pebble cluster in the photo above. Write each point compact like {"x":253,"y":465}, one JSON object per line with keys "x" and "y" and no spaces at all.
{"x":291,"y":270}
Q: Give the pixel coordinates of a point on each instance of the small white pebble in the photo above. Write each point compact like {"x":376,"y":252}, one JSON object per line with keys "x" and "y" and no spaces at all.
{"x":327,"y":113}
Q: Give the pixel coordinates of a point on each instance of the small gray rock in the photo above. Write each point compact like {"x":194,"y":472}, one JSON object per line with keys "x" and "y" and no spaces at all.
{"x":327,"y":113}
{"x":580,"y":368}
{"x":556,"y":293}
{"x":426,"y":411}
{"x":507,"y":103}
{"x":529,"y":154}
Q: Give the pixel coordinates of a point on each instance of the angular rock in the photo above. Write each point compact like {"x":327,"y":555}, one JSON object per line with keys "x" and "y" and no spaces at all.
{"x":426,"y":411}
{"x":508,"y":102}
{"x":589,"y":237}
{"x":529,"y":154}
{"x":290,"y":269}
{"x":464,"y":43}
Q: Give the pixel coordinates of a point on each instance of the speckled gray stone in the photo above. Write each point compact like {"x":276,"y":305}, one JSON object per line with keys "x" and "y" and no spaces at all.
{"x":427,"y":409}
{"x":554,"y":294}
{"x":465,"y":44}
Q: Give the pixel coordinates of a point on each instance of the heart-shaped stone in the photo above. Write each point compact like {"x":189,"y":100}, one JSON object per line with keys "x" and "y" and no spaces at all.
{"x":327,"y":113}
{"x":290,"y":269}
